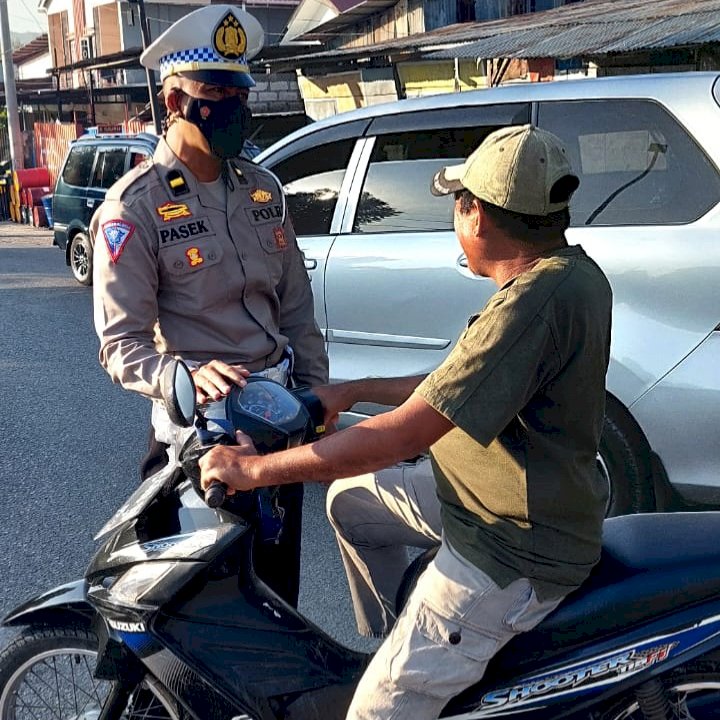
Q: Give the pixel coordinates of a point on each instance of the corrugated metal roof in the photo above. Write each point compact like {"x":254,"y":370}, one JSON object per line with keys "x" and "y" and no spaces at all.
{"x":592,"y":28}
{"x":35,"y":47}
{"x":589,"y":28}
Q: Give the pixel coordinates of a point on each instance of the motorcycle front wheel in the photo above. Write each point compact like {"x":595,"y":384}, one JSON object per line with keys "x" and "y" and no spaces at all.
{"x":46,"y":673}
{"x":693,"y":691}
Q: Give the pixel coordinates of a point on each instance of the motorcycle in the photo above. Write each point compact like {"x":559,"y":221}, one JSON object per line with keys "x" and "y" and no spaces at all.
{"x":171,"y":622}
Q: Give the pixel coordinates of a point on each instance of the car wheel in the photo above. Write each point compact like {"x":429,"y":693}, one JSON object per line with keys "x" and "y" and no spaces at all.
{"x":81,"y":256}
{"x":623,"y":462}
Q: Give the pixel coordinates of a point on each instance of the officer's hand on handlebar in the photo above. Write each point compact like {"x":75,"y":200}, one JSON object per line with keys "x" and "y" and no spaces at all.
{"x":229,"y":465}
{"x":215,"y":379}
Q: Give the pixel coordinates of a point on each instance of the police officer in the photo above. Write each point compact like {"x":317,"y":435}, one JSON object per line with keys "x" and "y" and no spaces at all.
{"x":196,"y":257}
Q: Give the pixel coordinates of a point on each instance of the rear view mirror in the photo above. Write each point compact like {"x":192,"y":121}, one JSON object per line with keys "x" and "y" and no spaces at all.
{"x":178,"y":393}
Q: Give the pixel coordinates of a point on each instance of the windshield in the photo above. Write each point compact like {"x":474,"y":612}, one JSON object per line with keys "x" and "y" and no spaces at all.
{"x":138,"y":501}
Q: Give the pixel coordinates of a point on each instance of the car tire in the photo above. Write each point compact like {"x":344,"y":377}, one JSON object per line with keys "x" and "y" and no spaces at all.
{"x":80,"y":258}
{"x":624,"y":463}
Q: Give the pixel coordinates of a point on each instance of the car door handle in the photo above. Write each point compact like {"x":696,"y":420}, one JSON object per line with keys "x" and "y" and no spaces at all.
{"x":310,"y":264}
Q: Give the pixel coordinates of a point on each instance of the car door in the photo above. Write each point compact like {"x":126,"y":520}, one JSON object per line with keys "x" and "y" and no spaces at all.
{"x":70,"y":194}
{"x":646,"y":211}
{"x":398,"y":292}
{"x":316,"y":171}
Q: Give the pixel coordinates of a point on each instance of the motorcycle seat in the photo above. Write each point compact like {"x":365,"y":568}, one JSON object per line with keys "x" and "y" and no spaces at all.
{"x":651,"y":564}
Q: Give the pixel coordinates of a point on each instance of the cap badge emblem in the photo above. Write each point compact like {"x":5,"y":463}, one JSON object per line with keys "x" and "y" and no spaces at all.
{"x":260,"y":196}
{"x":229,"y":38}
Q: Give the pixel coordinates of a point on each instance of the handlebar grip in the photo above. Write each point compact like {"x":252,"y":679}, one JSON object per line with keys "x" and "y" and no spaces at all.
{"x":215,"y":494}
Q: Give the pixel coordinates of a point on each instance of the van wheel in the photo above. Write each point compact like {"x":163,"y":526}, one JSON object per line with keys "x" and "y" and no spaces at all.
{"x":623,"y":463}
{"x":81,"y":257}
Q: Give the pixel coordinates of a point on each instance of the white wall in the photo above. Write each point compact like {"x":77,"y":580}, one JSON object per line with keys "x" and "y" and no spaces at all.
{"x":35,"y":68}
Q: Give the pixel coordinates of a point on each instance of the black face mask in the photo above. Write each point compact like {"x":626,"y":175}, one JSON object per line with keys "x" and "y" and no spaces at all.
{"x":224,"y":123}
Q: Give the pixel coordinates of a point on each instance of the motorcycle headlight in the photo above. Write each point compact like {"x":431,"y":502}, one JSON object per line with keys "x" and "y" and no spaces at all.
{"x":137,"y":583}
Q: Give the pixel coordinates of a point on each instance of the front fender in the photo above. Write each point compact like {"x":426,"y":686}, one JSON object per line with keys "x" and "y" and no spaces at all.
{"x":67,"y":600}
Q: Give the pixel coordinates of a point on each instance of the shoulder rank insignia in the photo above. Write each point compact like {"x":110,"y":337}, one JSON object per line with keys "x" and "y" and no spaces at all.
{"x":116,"y":234}
{"x":260,"y":196}
{"x":173,"y":211}
{"x":240,"y":176}
{"x":177,"y":183}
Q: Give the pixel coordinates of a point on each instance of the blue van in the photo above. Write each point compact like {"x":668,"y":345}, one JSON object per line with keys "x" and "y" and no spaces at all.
{"x":93,"y":163}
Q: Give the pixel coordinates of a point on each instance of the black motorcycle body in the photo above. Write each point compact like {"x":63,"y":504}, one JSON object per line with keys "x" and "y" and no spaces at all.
{"x":177,"y":608}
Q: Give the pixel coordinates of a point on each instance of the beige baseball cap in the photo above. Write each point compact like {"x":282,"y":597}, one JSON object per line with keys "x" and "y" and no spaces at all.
{"x":520,"y":168}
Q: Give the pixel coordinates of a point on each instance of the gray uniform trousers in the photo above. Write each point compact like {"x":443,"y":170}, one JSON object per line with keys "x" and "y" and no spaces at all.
{"x":457,"y":617}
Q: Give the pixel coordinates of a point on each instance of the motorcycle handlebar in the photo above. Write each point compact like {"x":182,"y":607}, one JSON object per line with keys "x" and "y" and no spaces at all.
{"x":215,"y":494}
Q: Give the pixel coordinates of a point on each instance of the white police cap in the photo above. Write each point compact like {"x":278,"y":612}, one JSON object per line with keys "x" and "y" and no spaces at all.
{"x":212,"y":44}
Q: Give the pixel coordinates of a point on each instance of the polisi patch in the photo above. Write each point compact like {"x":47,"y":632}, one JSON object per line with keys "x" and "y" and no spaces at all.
{"x":194,"y":257}
{"x":173,"y":211}
{"x":200,"y":227}
{"x":116,"y":234}
{"x":262,"y":215}
{"x":280,"y":239}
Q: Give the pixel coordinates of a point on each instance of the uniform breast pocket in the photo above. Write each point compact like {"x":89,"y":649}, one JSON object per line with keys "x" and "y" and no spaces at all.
{"x":193,"y":270}
{"x":274,"y":245}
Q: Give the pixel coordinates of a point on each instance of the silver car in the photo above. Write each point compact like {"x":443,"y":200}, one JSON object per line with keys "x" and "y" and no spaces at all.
{"x":392,"y":288}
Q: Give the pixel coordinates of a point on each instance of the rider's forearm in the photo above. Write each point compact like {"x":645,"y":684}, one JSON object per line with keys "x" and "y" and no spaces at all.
{"x":369,"y":446}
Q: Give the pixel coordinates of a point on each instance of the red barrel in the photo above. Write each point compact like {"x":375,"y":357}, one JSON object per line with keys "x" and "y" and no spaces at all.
{"x":31,"y":177}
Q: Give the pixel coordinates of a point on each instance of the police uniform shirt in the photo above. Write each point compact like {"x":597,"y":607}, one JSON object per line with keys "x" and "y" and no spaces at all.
{"x":178,"y":273}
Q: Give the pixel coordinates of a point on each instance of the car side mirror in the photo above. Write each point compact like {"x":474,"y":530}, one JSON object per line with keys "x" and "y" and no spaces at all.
{"x":178,"y":393}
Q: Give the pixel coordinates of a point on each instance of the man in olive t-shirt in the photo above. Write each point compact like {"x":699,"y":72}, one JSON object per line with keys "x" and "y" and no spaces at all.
{"x":525,"y":389}
{"x":513,"y":420}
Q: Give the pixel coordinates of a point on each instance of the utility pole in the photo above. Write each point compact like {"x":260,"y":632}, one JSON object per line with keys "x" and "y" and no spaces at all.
{"x":17,"y":156}
{"x":152,"y":87}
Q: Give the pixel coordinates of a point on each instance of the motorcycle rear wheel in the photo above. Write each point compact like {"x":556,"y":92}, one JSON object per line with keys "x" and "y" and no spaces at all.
{"x":693,"y":691}
{"x":46,"y":673}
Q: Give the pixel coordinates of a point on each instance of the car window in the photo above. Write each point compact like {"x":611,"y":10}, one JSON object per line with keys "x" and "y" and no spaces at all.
{"x":637,"y":165}
{"x":79,"y":165}
{"x":396,"y":194}
{"x":312,"y":181}
{"x":109,"y":167}
{"x":137,"y":157}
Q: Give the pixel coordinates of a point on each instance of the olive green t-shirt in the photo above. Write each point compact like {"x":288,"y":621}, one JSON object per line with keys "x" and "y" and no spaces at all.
{"x":525,"y":389}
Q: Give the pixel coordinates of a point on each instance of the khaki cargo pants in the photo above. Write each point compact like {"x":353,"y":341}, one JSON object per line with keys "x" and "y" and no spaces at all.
{"x":457,"y":618}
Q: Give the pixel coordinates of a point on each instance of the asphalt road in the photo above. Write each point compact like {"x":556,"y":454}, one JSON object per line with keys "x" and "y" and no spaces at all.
{"x":72,"y":441}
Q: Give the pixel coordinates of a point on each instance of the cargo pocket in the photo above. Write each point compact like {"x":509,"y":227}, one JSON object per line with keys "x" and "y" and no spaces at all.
{"x":527,"y":611}
{"x":441,"y":652}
